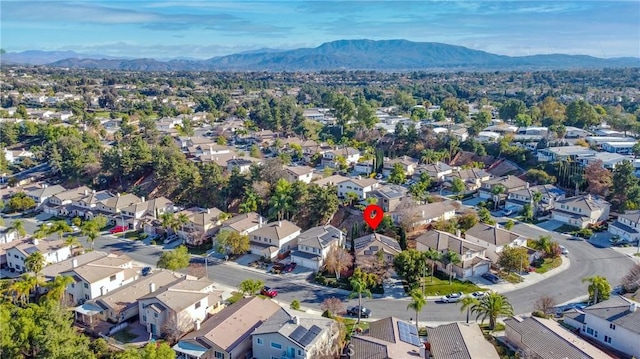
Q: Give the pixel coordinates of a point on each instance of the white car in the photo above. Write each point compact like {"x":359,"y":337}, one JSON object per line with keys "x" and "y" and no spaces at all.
{"x":564,"y":250}
{"x":477,"y":295}
{"x":452,"y":298}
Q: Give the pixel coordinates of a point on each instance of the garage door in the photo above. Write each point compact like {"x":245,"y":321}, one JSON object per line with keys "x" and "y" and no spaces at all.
{"x":481,"y":269}
{"x":304,"y":262}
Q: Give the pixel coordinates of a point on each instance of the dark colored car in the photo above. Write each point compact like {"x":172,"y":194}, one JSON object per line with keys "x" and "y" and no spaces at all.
{"x":269,"y":292}
{"x":146,"y":270}
{"x":364,"y":312}
{"x":491,"y":278}
{"x":290,"y":267}
{"x":277,"y":268}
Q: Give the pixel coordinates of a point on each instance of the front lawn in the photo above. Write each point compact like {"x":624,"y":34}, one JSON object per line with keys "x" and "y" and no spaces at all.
{"x":350,"y":326}
{"x":566,"y":228}
{"x":510,"y":277}
{"x":549,"y":264}
{"x":440,"y":285}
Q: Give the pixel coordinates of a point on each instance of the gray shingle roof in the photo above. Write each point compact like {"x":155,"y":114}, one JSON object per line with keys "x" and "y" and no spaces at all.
{"x":459,"y":341}
{"x":619,"y":311}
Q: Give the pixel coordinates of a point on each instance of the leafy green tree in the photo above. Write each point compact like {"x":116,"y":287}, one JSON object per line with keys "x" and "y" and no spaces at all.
{"x":370,"y":279}
{"x":251,"y":286}
{"x":514,"y":258}
{"x":57,"y":287}
{"x":624,"y":182}
{"x":420,"y":190}
{"x":60,"y":228}
{"x":485,"y":216}
{"x":508,"y":225}
{"x":358,"y":289}
{"x":599,"y":288}
{"x":492,"y":306}
{"x":20,"y":202}
{"x":91,"y":229}
{"x":281,"y":201}
{"x":523,"y":120}
{"x":34,"y":262}
{"x":457,"y":186}
{"x":418,"y":301}
{"x":234,"y":241}
{"x":366,"y":116}
{"x":410,"y":265}
{"x":175,"y":259}
{"x":511,"y":109}
{"x":397,"y":175}
{"x":150,"y":351}
{"x":439,"y":115}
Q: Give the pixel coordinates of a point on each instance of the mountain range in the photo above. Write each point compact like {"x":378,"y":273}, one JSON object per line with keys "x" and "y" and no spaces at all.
{"x":383,"y":55}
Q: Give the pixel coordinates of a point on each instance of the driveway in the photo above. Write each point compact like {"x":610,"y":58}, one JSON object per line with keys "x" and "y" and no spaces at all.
{"x":550,"y":225}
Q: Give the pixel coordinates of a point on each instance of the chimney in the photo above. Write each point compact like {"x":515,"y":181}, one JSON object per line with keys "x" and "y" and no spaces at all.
{"x":196,"y":325}
{"x":86,"y":191}
{"x":152,"y":287}
{"x":497,"y":225}
{"x":208,"y":210}
{"x":35,"y":241}
{"x":118,"y":194}
{"x":74,"y":263}
{"x":527,"y":184}
{"x":295,"y":320}
{"x":93,"y":191}
{"x":142,"y":199}
{"x":458,"y":233}
{"x":102,"y":290}
{"x":260,"y":220}
{"x":422,"y":213}
{"x":632,"y":307}
{"x":279,"y":223}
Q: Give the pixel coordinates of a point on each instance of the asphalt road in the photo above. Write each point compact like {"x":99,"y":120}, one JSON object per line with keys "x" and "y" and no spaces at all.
{"x":586,"y":260}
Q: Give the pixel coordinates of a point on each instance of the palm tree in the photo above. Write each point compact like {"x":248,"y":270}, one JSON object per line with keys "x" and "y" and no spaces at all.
{"x":90,"y":230}
{"x":545,"y":244}
{"x":23,"y":287}
{"x":60,"y":228}
{"x":42,"y":232}
{"x":359,"y":288}
{"x":537,"y":197}
{"x":71,"y":242}
{"x":578,"y":179}
{"x":467,"y":304}
{"x":433,"y":256}
{"x":167,"y":220}
{"x":450,"y":259}
{"x":418,"y":301}
{"x":57,"y":287}
{"x":497,"y":191}
{"x":18,"y":226}
{"x":492,"y":306}
{"x":181,"y":220}
{"x":35,"y":262}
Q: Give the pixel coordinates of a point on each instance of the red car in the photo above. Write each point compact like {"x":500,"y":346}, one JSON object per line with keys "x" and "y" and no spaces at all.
{"x":269,"y":292}
{"x":118,"y":229}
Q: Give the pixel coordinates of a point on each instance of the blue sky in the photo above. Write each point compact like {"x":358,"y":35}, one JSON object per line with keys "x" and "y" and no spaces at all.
{"x":166,"y":29}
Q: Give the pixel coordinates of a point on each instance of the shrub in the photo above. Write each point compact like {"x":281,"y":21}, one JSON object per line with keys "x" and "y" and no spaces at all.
{"x":539,"y":314}
{"x":295,"y":304}
{"x":327,"y":314}
{"x":153,"y":243}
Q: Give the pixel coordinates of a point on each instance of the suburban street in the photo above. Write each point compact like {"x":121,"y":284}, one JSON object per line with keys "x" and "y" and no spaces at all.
{"x":586,"y":260}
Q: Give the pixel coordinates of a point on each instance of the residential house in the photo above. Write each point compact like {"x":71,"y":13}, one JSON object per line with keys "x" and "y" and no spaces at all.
{"x":83,"y":204}
{"x":55,"y":269}
{"x":364,"y":168}
{"x":113,"y":207}
{"x":574,"y":132}
{"x":227,"y":334}
{"x":242,"y":164}
{"x":627,"y":226}
{"x":437,"y":170}
{"x":563,"y":153}
{"x":145,"y":212}
{"x":243,"y":223}
{"x":494,"y":239}
{"x":389,"y":338}
{"x":53,"y":252}
{"x":331,"y":158}
{"x":274,"y":239}
{"x":333,"y":180}
{"x":473,"y":259}
{"x":581,"y":211}
{"x":619,"y":147}
{"x":41,"y":194}
{"x":371,"y":244}
{"x":178,"y":306}
{"x":516,"y":200}
{"x":389,"y":196}
{"x":599,"y":141}
{"x":407,"y":163}
{"x":488,"y":136}
{"x":547,"y":339}
{"x":299,"y":173}
{"x":459,"y":341}
{"x":99,"y":277}
{"x":472,"y":178}
{"x":121,"y":304}
{"x":201,"y":223}
{"x":614,"y":323}
{"x":609,"y":160}
{"x":360,"y":186}
{"x":421,"y":215}
{"x":295,"y":335}
{"x":7,"y":235}
{"x":314,"y":244}
{"x":509,"y":184}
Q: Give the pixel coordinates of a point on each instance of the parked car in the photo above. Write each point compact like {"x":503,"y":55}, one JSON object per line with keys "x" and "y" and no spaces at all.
{"x":290,"y":267}
{"x":118,"y":229}
{"x":564,"y":250}
{"x":477,"y":295}
{"x":452,"y":298}
{"x":364,"y":312}
{"x":491,"y":278}
{"x":145,"y":271}
{"x":269,"y":292}
{"x":575,"y":238}
{"x":277,"y":268}
{"x":507,"y":212}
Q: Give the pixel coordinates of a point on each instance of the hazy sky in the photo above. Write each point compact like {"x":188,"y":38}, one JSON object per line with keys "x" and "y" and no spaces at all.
{"x":164,"y":29}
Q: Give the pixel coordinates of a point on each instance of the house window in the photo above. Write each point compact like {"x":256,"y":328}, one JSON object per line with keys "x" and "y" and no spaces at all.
{"x":612,"y":326}
{"x":112,"y":278}
{"x":86,"y":296}
{"x":275,"y":345}
{"x":607,"y":339}
{"x":299,"y":352}
{"x":589,"y":331}
{"x":86,"y":285}
{"x":219,"y":355}
{"x":144,"y":318}
{"x":197,"y":305}
{"x":155,"y":315}
{"x":259,"y":341}
{"x":596,"y":334}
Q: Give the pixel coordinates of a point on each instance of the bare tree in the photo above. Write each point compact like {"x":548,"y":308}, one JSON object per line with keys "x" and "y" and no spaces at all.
{"x":198,"y":237}
{"x":338,"y":260}
{"x":407,"y":214}
{"x":176,"y":326}
{"x":545,"y":304}
{"x":332,"y":305}
{"x":197,"y":270}
{"x":631,"y":281}
{"x":375,"y":264}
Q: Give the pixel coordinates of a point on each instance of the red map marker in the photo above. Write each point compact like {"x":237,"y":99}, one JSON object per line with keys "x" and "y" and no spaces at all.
{"x":373,"y":215}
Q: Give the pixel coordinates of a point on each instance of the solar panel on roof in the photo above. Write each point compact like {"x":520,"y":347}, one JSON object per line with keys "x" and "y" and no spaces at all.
{"x":298,"y":333}
{"x":408,"y":333}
